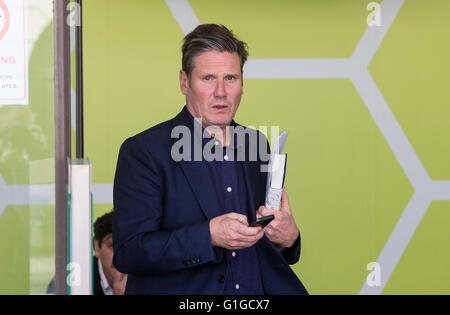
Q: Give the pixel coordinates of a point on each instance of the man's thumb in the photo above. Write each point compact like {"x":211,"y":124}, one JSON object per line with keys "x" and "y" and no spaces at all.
{"x":285,"y":201}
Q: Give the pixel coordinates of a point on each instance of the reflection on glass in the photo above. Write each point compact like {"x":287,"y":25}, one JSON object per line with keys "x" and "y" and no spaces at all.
{"x":26,"y":147}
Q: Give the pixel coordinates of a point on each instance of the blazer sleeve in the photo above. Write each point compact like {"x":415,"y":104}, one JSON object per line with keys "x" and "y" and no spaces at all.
{"x":140,"y":247}
{"x":292,"y":254}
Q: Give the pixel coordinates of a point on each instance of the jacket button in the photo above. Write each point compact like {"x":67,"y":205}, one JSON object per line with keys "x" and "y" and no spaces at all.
{"x":221,"y":279}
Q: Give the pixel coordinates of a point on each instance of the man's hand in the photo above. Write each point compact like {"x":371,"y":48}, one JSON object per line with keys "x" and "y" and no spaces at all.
{"x":231,"y":231}
{"x":282,"y":231}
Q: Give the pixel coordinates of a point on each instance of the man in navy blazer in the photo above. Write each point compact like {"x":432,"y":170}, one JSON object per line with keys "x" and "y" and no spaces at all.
{"x":183,"y":204}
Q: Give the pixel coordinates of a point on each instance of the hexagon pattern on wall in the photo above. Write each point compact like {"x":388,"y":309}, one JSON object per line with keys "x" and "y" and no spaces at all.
{"x":356,"y":69}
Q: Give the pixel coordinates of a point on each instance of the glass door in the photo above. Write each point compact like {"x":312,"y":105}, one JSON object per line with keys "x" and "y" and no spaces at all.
{"x":27,"y":146}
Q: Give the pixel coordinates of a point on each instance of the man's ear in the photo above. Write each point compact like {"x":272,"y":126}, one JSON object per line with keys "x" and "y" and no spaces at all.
{"x":184,"y":82}
{"x":96,"y":248}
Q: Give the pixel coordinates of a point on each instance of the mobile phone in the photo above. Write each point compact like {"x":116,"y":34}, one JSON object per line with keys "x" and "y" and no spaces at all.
{"x":263,"y":221}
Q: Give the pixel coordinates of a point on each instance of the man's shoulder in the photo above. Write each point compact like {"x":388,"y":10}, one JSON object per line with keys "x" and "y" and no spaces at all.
{"x":155,"y":140}
{"x":157,"y":131}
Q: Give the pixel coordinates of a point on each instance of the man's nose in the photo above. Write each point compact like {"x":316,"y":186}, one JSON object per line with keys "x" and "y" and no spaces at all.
{"x":220,"y":89}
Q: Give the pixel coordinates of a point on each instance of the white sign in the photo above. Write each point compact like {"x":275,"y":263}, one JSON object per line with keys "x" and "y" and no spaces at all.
{"x":13,"y":53}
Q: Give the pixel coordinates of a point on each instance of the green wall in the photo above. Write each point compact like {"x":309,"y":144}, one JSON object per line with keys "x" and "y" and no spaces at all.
{"x":347,"y":188}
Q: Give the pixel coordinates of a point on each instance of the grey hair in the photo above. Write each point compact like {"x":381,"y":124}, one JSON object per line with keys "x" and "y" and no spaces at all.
{"x":207,"y":37}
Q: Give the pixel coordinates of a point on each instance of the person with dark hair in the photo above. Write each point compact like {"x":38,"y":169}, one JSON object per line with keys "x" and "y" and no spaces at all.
{"x":107,"y":280}
{"x":186,"y":189}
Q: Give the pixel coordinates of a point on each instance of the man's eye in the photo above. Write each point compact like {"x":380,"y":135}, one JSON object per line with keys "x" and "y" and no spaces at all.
{"x":208,"y":77}
{"x":230,"y":77}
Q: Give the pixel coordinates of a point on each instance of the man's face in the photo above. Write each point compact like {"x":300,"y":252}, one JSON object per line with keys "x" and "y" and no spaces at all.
{"x":105,"y":253}
{"x":214,"y":90}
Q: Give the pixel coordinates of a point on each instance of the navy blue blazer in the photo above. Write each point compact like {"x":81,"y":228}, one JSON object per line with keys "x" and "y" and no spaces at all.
{"x":161,"y":219}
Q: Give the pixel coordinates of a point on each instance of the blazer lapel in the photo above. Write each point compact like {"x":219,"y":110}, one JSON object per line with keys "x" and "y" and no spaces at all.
{"x":199,"y":178}
{"x":253,"y":180}
{"x":251,"y":170}
{"x":197,"y":172}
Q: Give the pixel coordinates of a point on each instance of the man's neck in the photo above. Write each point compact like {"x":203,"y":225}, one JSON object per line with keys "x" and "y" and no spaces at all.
{"x":220,"y":133}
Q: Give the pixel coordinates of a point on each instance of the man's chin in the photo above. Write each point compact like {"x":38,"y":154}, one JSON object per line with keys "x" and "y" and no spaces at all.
{"x":220,"y":120}
{"x":219,"y":124}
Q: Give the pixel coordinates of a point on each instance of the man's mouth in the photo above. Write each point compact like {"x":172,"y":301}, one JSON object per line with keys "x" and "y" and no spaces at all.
{"x":220,"y":106}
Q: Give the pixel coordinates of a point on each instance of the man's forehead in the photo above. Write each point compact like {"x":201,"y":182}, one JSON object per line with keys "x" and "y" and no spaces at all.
{"x":213,"y":59}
